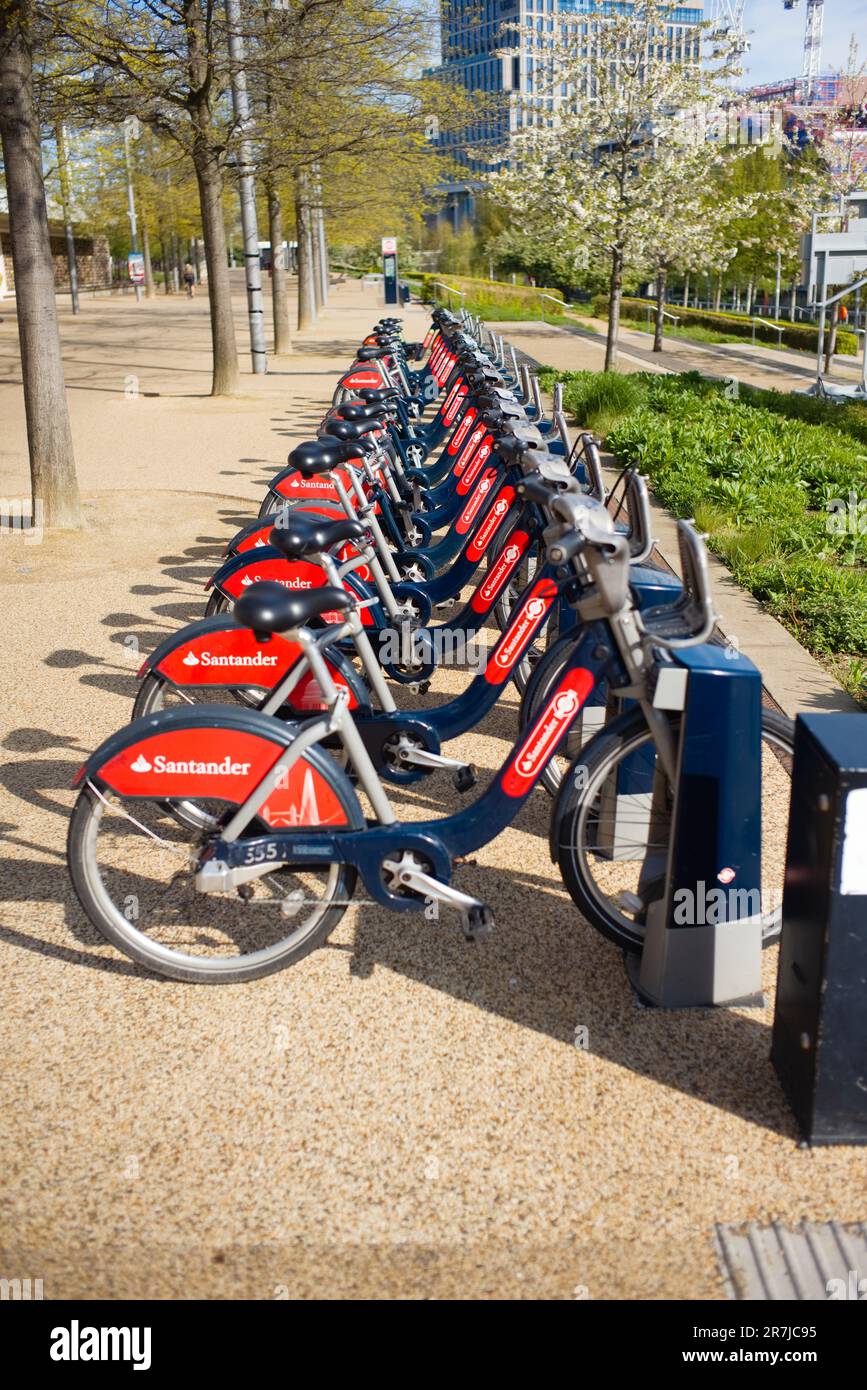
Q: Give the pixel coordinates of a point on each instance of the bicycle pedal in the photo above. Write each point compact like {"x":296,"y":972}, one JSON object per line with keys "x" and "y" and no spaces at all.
{"x":419,"y":687}
{"x":477,"y":922}
{"x":465,"y":778}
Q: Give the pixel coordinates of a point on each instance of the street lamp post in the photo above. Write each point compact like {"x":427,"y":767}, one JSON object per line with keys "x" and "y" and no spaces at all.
{"x":66,"y":203}
{"x":247,"y":191}
{"x":130,"y":132}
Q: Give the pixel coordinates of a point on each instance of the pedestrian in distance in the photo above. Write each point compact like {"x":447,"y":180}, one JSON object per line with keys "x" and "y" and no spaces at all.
{"x":190,"y":280}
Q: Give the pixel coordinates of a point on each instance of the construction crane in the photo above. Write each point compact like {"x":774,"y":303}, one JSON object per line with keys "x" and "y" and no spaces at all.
{"x":812,"y":43}
{"x":728,"y":33}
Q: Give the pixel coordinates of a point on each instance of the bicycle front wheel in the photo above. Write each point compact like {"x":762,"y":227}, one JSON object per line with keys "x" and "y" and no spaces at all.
{"x":132,"y":867}
{"x":616,"y":826}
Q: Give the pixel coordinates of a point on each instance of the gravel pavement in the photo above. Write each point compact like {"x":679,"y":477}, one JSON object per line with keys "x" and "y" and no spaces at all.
{"x":402,"y":1115}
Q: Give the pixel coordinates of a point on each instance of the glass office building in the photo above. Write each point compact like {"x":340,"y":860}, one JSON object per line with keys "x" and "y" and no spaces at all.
{"x":497,"y":48}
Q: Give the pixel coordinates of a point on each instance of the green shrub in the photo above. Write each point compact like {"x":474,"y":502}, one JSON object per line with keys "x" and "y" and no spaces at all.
{"x":795,"y":335}
{"x":758,"y":477}
{"x":599,"y":399}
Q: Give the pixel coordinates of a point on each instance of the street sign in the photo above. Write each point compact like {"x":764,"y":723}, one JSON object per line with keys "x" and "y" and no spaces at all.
{"x":135,"y":267}
{"x":389,"y":269}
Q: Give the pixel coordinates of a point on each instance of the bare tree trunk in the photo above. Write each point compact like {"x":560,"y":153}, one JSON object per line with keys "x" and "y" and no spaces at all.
{"x":209,"y":177}
{"x":749,"y":296}
{"x":150,"y":287}
{"x":279,"y":286}
{"x":686,"y":293}
{"x":717,"y":299}
{"x":661,"y":277}
{"x":615,"y":291}
{"x":306,"y":291}
{"x":793,"y":299}
{"x":49,"y":437}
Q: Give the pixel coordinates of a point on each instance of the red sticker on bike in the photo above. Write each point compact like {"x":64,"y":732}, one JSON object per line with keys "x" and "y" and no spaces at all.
{"x":506,"y":563}
{"x":234,"y":659}
{"x":452,"y":402}
{"x":520,"y":632}
{"x":226,"y":764}
{"x":357,"y":380}
{"x":553,"y":723}
{"x":292,"y":574}
{"x":451,"y":411}
{"x":469,"y":449}
{"x":474,"y":506}
{"x":461,"y":432}
{"x":297,"y":488}
{"x":302,"y":797}
{"x":474,"y":468}
{"x":491,"y":524}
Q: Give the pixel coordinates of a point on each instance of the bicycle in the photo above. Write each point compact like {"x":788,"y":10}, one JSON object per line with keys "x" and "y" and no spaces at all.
{"x":293,"y":833}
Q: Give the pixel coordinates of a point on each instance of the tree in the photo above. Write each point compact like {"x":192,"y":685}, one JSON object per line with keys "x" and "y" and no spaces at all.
{"x":606,"y":103}
{"x":49,"y":436}
{"x":346,"y":149}
{"x":164,"y":61}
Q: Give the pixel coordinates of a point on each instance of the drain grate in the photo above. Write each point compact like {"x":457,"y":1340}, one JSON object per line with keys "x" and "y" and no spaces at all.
{"x":812,"y":1262}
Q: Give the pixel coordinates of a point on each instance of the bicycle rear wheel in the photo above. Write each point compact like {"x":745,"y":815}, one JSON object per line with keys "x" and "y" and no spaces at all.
{"x":616,"y":823}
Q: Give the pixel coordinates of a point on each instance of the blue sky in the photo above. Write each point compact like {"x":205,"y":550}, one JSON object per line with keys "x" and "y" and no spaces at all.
{"x":778,"y":36}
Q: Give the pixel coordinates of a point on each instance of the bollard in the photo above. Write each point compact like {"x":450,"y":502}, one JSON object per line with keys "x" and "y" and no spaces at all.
{"x":819,"y":1046}
{"x":712,"y":954}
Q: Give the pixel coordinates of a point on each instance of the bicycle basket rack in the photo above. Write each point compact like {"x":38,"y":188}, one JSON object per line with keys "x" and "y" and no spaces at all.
{"x":691,"y":619}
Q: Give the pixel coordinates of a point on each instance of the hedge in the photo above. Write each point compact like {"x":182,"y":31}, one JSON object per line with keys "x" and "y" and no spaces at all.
{"x":486,"y":295}
{"x":795,"y":335}
{"x":848,"y":416}
{"x":780,"y":497}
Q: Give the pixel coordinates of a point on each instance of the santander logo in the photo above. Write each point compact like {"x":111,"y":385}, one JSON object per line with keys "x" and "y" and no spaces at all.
{"x":474,"y":506}
{"x":477,"y":435}
{"x":517,"y":636}
{"x":249,"y":579}
{"x":490,"y":525}
{"x":230,"y":659}
{"x":223,"y":767}
{"x":462,"y":431}
{"x":450,"y":413}
{"x":501,"y":571}
{"x":543,"y":738}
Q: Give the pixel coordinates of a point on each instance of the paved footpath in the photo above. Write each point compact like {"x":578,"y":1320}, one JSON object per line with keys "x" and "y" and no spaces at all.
{"x":580,"y":345}
{"x":402,"y":1115}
